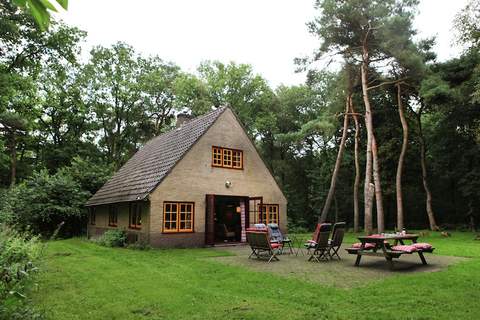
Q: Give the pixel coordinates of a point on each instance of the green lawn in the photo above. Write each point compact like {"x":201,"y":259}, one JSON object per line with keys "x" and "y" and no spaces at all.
{"x":82,"y":280}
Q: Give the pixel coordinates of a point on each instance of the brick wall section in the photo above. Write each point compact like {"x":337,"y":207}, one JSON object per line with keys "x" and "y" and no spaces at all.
{"x":177,"y":240}
{"x":194,"y":177}
{"x":101,"y":220}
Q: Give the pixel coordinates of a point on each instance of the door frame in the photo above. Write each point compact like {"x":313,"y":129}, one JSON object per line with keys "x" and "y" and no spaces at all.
{"x":210,"y":214}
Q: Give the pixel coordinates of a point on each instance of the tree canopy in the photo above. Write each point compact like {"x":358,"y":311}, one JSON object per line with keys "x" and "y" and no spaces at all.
{"x":392,"y":117}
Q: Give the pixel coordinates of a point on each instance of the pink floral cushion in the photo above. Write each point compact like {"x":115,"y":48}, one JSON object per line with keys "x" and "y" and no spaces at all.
{"x":275,"y":245}
{"x":422,"y":246}
{"x":376,"y":235}
{"x":367,"y":245}
{"x":405,"y":248}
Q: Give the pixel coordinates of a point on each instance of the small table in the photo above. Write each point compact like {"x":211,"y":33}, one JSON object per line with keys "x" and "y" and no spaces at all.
{"x":380,"y":243}
{"x":287,"y":242}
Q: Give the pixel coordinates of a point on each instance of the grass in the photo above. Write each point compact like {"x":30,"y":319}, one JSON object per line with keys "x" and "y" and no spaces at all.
{"x":82,"y":280}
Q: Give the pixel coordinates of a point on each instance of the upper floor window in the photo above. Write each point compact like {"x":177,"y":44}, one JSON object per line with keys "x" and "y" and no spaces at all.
{"x":112,"y":215}
{"x":135,"y":216}
{"x":227,"y":158}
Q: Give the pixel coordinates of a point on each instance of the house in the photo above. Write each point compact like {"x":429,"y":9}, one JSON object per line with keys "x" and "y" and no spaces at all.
{"x":199,"y":184}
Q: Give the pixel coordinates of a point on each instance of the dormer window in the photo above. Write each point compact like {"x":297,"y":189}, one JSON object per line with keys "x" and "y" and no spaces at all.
{"x":227,"y":158}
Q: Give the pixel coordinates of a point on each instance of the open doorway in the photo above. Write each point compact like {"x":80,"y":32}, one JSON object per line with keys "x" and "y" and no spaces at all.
{"x":228,"y":219}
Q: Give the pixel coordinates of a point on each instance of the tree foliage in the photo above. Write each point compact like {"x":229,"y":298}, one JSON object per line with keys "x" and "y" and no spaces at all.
{"x":66,"y":125}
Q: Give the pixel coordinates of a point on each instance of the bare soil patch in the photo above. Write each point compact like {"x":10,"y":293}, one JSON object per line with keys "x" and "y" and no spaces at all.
{"x":337,"y":273}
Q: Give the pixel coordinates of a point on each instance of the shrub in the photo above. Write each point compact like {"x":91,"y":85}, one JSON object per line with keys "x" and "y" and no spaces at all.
{"x":141,"y":244}
{"x":18,"y":255}
{"x":89,"y":174}
{"x":44,"y":201}
{"x":113,"y":238}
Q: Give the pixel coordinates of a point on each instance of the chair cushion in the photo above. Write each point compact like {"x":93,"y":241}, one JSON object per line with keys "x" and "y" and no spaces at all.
{"x":406,"y":248}
{"x":422,"y":246}
{"x":275,"y":245}
{"x":368,"y":245}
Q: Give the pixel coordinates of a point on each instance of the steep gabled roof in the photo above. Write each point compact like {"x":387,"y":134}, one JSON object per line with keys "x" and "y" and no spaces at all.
{"x":152,"y":163}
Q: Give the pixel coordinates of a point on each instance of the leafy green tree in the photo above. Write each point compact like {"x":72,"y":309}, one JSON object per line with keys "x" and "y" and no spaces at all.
{"x":114,"y":95}
{"x":91,"y":175}
{"x":192,"y":93}
{"x":365,"y":32}
{"x":44,"y":201}
{"x":41,"y":9}
{"x":237,"y":86}
{"x":158,"y":85}
{"x":451,"y":126}
{"x":23,"y":50}
{"x":467,"y":24}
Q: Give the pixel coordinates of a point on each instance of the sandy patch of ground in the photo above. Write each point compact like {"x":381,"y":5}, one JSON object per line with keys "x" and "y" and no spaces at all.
{"x":337,"y":273}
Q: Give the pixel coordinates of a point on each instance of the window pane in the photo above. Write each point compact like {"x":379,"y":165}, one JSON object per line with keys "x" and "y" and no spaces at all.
{"x":227,"y":158}
{"x":237,"y":159}
{"x":178,"y":217}
{"x":217,"y":156}
{"x":170,"y":217}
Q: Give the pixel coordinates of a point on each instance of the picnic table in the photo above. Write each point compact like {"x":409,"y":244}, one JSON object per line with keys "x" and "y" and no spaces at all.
{"x":382,"y":247}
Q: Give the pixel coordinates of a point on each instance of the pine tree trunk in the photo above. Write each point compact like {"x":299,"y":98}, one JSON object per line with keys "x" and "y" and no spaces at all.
{"x":369,"y":126}
{"x":369,"y":204}
{"x":13,"y":160}
{"x":356,"y":207}
{"x":336,"y":169}
{"x":423,"y":161}
{"x":378,"y":187}
{"x":401,"y":159}
{"x":335,"y":203}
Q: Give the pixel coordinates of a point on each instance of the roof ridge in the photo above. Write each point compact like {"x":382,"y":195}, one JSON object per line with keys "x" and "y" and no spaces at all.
{"x":186,"y":123}
{"x":142,"y":173}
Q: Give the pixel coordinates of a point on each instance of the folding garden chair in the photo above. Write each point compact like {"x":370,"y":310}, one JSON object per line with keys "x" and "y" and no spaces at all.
{"x":276,"y":236}
{"x":260,"y":244}
{"x":320,"y":247}
{"x":337,"y":239}
{"x":310,"y":244}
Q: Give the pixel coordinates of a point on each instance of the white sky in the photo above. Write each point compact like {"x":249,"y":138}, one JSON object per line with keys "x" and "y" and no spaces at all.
{"x":267,"y":34}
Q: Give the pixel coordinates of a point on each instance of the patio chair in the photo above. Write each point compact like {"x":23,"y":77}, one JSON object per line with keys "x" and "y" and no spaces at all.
{"x":335,"y":243}
{"x":227,"y":234}
{"x":310,"y":244}
{"x":276,"y":236}
{"x":261,"y":226}
{"x":260,"y":244}
{"x":320,"y":247}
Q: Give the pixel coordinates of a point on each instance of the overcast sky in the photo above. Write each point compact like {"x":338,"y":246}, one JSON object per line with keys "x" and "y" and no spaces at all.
{"x":267,"y":34}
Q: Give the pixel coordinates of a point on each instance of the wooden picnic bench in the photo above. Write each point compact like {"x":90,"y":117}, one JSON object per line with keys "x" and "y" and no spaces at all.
{"x":382,"y":247}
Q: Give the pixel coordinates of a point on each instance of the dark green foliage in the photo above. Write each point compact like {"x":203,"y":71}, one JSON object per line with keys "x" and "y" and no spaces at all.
{"x":19,"y":253}
{"x":75,"y":123}
{"x":44,"y":201}
{"x":41,"y":9}
{"x":113,"y":238}
{"x":89,"y":174}
{"x":140,"y":244}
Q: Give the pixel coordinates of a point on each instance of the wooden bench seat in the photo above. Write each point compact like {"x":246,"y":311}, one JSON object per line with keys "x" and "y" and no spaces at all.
{"x":391,"y":253}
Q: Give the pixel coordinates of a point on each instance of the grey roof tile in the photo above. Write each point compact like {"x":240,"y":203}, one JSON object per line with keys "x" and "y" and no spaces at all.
{"x":152,"y":163}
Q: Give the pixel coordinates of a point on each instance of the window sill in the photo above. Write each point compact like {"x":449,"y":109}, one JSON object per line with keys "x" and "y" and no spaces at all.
{"x":222,"y":167}
{"x":177,"y":232}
